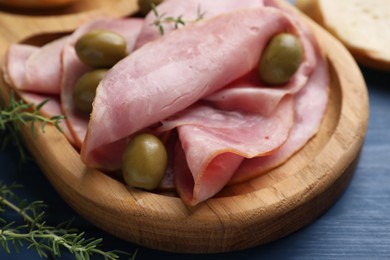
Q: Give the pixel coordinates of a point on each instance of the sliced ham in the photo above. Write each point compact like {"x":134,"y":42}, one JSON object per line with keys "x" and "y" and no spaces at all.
{"x":215,"y":142}
{"x":197,"y":86}
{"x":248,"y":94}
{"x":43,"y":68}
{"x":36,"y":69}
{"x":73,"y":68}
{"x":310,"y":106}
{"x":189,"y":11}
{"x":14,"y":64}
{"x":311,"y":103}
{"x":169,"y":74}
{"x":251,"y":94}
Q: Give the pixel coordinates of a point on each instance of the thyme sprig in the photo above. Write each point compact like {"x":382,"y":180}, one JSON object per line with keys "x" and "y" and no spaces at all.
{"x":45,"y":239}
{"x":162,"y":19}
{"x":18,"y":113}
{"x":34,"y":232}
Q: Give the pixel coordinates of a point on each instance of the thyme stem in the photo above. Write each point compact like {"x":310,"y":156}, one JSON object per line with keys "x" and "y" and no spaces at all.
{"x":44,"y":238}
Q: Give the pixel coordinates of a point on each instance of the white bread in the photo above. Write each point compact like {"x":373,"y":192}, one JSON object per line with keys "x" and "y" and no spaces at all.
{"x":362,"y":25}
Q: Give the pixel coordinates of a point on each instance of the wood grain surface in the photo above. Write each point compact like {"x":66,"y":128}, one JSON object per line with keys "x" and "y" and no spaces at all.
{"x":242,"y":216}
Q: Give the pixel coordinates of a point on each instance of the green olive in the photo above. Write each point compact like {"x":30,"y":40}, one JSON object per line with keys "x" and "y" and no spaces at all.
{"x":146,"y":5}
{"x":281,"y":59}
{"x":101,"y":48}
{"x":144,"y":162}
{"x":85,"y":89}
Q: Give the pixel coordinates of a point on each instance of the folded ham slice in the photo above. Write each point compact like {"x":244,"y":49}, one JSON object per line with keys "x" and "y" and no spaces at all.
{"x":45,"y":79}
{"x":189,"y":11}
{"x":54,"y":68}
{"x":26,"y":71}
{"x":14,"y":64}
{"x":215,"y":142}
{"x":173,"y":72}
{"x":310,"y":106}
{"x":250,"y":95}
{"x":73,"y":69}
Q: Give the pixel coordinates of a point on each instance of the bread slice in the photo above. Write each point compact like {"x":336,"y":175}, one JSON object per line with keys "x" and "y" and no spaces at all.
{"x":362,"y":25}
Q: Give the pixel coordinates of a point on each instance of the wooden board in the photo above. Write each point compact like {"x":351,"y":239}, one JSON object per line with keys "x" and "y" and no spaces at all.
{"x":241,"y":216}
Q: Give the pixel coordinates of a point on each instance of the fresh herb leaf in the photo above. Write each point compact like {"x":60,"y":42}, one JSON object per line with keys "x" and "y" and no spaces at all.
{"x":17,"y":113}
{"x":162,"y":19}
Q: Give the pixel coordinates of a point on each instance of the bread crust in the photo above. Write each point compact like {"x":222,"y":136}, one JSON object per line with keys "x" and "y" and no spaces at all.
{"x":363,"y":54}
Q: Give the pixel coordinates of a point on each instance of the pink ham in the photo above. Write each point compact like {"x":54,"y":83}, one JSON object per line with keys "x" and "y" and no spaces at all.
{"x":14,"y":69}
{"x":168,"y":75}
{"x":215,"y":143}
{"x":14,"y":64}
{"x":196,"y":185}
{"x":36,"y":69}
{"x":43,"y":68}
{"x":311,"y":103}
{"x":73,"y":68}
{"x":252,"y":95}
{"x":189,"y":11}
{"x":55,"y":68}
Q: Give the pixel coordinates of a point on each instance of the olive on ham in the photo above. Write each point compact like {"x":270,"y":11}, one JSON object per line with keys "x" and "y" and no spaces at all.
{"x":85,"y":89}
{"x":101,"y":48}
{"x":280,"y":59}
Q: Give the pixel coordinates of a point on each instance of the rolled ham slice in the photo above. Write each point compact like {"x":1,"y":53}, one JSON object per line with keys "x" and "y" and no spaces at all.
{"x":189,"y":11}
{"x":170,"y":74}
{"x":73,"y":68}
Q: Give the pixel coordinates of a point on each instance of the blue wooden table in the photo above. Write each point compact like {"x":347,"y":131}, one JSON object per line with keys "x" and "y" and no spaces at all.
{"x":356,"y":227}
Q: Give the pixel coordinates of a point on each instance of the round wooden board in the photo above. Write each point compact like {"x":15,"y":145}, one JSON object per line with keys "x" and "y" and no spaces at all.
{"x":241,"y":216}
